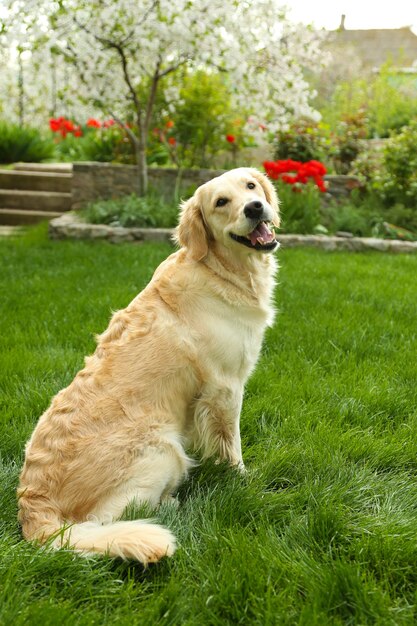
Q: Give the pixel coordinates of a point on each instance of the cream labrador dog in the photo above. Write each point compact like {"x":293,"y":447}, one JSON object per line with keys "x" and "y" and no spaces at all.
{"x":167,"y":376}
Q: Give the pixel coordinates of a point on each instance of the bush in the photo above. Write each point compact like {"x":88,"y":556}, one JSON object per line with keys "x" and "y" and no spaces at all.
{"x":202,"y":119}
{"x":143,"y":212}
{"x":399,"y":181}
{"x":392,"y":180}
{"x":97,"y":144}
{"x":300,"y":207}
{"x":348,"y":141}
{"x":19,"y":143}
{"x":303,"y":141}
{"x":108,"y":144}
{"x":358,"y":214}
{"x":388,"y":99}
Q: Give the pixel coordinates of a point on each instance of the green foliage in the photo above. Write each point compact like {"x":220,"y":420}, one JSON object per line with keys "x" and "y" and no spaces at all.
{"x":202,"y":119}
{"x":400,"y":167}
{"x":389,"y":100}
{"x":108,"y":144}
{"x":104,"y":145}
{"x":303,"y":141}
{"x":26,"y":144}
{"x":321,"y":531}
{"x":300,"y":207}
{"x":70,"y":149}
{"x":348,"y":141}
{"x":346,"y":217}
{"x":133,"y":210}
{"x":391,"y":180}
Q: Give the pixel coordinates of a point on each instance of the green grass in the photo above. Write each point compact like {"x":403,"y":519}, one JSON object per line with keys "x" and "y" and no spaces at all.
{"x":323,"y":530}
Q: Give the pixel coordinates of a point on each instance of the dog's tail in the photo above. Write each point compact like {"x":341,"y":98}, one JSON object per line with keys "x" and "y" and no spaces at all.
{"x":139,"y":540}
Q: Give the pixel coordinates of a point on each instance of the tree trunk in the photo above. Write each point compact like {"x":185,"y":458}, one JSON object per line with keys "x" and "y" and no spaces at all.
{"x":142,"y":168}
{"x":21,"y":90}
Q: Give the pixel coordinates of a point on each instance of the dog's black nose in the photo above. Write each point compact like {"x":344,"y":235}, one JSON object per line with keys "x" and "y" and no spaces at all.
{"x":254,"y":209}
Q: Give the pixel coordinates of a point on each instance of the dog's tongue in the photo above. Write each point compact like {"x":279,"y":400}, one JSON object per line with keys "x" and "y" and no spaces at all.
{"x":261,"y":232}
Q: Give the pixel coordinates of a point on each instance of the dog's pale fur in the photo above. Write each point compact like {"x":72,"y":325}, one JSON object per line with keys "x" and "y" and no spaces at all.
{"x":167,"y":374}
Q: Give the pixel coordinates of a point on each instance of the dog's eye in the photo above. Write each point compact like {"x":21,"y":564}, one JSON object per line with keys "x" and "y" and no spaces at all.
{"x":251,"y":185}
{"x":222,"y":201}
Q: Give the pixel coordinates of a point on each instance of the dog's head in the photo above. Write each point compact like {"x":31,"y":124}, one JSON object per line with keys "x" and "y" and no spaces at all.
{"x":237,"y":209}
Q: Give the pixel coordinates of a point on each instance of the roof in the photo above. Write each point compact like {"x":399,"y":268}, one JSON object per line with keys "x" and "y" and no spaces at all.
{"x":377,"y":46}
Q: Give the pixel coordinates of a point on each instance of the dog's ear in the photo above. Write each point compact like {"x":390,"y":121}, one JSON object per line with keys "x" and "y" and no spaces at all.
{"x":270,"y":194}
{"x":191,"y":231}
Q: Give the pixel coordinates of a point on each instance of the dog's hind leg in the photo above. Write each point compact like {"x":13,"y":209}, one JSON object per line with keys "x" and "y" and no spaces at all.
{"x":153,"y":478}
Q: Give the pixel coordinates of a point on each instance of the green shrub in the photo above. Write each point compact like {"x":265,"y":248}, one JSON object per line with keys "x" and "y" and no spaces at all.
{"x":19,"y":143}
{"x":143,"y":212}
{"x":348,"y":141}
{"x":394,"y":182}
{"x":400,"y":167}
{"x":389,"y":100}
{"x":300,"y":207}
{"x":303,"y":141}
{"x":70,"y":149}
{"x":108,"y":144}
{"x":104,"y":145}
{"x":347,"y":217}
{"x":202,"y":119}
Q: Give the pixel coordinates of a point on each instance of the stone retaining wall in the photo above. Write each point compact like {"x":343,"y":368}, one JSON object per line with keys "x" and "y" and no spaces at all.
{"x":92,"y":181}
{"x":69,"y":226}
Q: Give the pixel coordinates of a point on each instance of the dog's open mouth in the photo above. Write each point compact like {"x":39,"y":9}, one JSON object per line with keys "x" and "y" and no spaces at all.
{"x":261,"y":238}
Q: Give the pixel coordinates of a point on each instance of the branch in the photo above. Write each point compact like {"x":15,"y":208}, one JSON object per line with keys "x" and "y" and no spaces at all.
{"x":119,"y":49}
{"x":173,"y":67}
{"x":152,"y":94}
{"x":126,"y":128}
{"x":142,"y":21}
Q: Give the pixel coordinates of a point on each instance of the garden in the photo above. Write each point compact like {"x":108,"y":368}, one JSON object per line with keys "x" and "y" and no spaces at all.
{"x":191,"y":110}
{"x":302,"y":159}
{"x":322,"y":528}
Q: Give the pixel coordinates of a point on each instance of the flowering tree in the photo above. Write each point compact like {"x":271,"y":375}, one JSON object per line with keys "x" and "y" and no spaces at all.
{"x":123,"y":52}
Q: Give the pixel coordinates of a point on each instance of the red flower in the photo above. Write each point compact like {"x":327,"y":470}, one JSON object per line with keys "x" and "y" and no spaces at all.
{"x":68,"y":125}
{"x":290,"y":180}
{"x":64,"y":126}
{"x":309,"y":170}
{"x":93,"y":123}
{"x":55,"y":124}
{"x":108,"y":123}
{"x":169,"y":124}
{"x":172,"y":141}
{"x":230,"y":138}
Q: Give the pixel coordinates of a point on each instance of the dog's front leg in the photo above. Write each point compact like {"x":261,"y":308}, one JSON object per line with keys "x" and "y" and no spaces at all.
{"x":216,"y":423}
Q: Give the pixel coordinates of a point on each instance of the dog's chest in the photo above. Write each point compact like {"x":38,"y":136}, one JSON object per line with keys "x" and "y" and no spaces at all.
{"x":231,"y":338}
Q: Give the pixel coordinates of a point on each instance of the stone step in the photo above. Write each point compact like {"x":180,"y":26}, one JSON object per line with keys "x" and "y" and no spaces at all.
{"x":35,"y":181}
{"x":35,"y":200}
{"x":60,"y":168}
{"x":18,"y":217}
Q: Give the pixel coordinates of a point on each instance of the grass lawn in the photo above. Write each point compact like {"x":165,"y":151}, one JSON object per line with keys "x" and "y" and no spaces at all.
{"x":323,"y":530}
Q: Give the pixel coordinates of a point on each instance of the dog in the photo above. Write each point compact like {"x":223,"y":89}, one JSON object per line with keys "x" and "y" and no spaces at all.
{"x":167,"y":376}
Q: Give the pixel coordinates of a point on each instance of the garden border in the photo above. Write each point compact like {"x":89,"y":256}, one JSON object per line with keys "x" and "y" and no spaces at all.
{"x":70,"y":226}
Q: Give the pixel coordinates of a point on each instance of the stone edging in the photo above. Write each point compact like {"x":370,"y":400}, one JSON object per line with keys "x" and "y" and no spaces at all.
{"x":69,"y":226}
